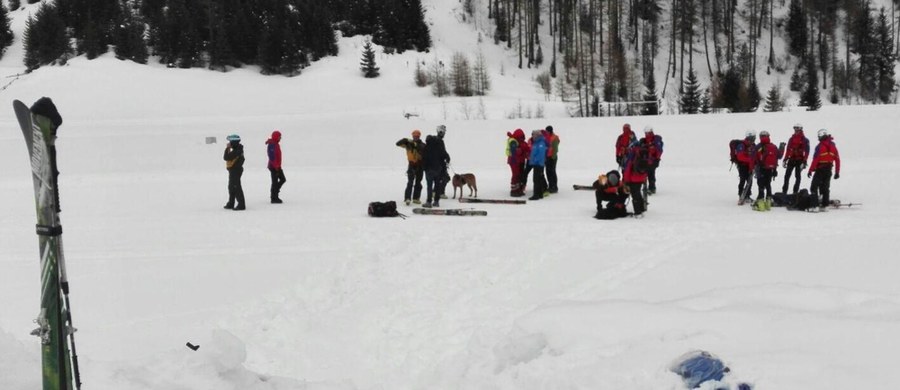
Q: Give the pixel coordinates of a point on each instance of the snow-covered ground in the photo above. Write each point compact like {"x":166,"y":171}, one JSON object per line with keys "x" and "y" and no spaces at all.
{"x":314,"y":294}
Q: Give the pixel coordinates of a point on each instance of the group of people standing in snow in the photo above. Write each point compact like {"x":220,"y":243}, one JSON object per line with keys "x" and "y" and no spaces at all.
{"x":429,"y":159}
{"x":538,"y":155}
{"x":234,"y":163}
{"x":761,"y":160}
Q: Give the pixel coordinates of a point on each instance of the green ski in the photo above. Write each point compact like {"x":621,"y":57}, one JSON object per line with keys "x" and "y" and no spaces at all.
{"x":60,"y":366}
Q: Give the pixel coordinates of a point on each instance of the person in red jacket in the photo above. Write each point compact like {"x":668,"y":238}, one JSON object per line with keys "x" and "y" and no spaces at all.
{"x":795,"y":156}
{"x":517,"y":152}
{"x":635,"y":174}
{"x":824,"y":158}
{"x":274,"y":151}
{"x":767,"y":161}
{"x":654,"y":145}
{"x":622,"y":142}
{"x":745,"y":153}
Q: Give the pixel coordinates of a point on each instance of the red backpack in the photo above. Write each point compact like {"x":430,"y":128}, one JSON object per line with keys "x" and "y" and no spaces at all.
{"x":768,"y":156}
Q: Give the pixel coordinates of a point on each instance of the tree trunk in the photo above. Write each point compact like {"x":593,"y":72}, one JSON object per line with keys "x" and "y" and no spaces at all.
{"x":704,"y":16}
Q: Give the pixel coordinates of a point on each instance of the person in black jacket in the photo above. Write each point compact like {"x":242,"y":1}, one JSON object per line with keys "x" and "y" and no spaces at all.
{"x":234,"y":162}
{"x":433,"y":161}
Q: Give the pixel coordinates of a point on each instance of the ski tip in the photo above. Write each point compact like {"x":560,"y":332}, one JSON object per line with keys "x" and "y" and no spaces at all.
{"x":192,"y":346}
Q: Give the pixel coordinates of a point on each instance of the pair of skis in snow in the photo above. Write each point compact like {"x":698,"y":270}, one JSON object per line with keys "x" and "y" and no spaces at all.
{"x":39,"y":125}
{"x":466,"y":212}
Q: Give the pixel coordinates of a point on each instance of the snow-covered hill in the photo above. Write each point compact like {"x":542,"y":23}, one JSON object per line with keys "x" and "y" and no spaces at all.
{"x":313,"y":294}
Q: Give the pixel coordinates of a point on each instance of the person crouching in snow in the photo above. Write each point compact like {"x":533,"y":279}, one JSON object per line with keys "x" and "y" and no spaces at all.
{"x":610,"y":188}
{"x":273,"y":149}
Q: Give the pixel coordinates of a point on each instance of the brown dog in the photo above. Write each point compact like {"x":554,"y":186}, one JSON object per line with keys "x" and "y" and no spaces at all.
{"x":467,"y":179}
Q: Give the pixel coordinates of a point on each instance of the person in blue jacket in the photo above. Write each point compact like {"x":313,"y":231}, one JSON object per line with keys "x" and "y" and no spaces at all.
{"x":536,"y":161}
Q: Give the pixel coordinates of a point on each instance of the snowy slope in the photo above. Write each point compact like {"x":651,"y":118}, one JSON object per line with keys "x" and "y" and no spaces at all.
{"x":313,"y":294}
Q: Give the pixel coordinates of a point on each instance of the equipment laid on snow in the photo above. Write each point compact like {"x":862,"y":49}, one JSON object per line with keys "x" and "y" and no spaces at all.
{"x":497,"y":201}
{"x":384,"y":209}
{"x":39,"y":125}
{"x":578,"y":187}
{"x":461,"y":212}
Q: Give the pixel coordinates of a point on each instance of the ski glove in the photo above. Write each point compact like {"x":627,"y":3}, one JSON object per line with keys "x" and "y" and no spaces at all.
{"x":809,"y":174}
{"x":837,"y":176}
{"x":784,"y":164}
{"x":803,"y":166}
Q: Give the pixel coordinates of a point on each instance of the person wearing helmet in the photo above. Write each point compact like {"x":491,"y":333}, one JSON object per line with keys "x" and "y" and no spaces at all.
{"x":745,"y":156}
{"x":610,"y":188}
{"x":654,"y":144}
{"x":234,"y":162}
{"x":273,"y":149}
{"x":433,"y":160}
{"x":414,"y":170}
{"x":825,"y":157}
{"x":795,"y":156}
{"x":767,"y":170}
{"x":622,"y":142}
{"x":441,"y":187}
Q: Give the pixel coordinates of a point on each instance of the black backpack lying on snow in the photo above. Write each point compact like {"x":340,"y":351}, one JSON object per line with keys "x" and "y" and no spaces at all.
{"x":383,"y":209}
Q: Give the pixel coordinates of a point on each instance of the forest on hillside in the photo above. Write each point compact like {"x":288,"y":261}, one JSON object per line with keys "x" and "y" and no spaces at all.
{"x":598,"y":55}
{"x":280,"y":36}
{"x":603,"y":51}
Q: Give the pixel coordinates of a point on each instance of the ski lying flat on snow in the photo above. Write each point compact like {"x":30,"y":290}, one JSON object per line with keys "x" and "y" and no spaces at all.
{"x":498,"y":201}
{"x":461,"y":212}
{"x":60,"y":367}
{"x":581,"y":187}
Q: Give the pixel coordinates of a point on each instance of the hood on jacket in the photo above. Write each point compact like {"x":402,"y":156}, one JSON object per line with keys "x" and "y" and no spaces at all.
{"x":276,"y":137}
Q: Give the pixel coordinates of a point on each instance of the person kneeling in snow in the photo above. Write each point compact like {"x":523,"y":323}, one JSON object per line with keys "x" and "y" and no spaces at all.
{"x":610,"y":188}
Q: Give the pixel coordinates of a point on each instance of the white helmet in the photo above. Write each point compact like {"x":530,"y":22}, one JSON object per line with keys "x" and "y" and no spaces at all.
{"x":750,"y":134}
{"x":798,"y":126}
{"x":441,"y":129}
{"x":648,"y":129}
{"x":763,"y":133}
{"x":823,"y":133}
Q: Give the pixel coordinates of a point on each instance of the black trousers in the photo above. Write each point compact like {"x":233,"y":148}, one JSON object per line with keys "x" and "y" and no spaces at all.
{"x":235,"y":191}
{"x":793,"y":166}
{"x":764,"y":182}
{"x":637,"y":198}
{"x":551,"y":174}
{"x":651,"y":178}
{"x":278,"y":180}
{"x":745,"y":179}
{"x":540,"y":183}
{"x":821,"y":184}
{"x":413,"y":183}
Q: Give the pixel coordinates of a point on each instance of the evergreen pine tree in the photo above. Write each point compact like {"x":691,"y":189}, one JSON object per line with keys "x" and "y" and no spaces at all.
{"x":796,"y":29}
{"x":810,"y":96}
{"x":690,"y":96}
{"x":45,"y":38}
{"x":368,"y":61}
{"x":6,"y":34}
{"x":316,"y":35}
{"x":650,"y":96}
{"x":884,"y":58}
{"x":731,"y":89}
{"x":418,"y":35}
{"x":773,"y":99}
{"x":129,"y":38}
{"x":753,"y":96}
{"x":461,"y":75}
{"x":705,"y":102}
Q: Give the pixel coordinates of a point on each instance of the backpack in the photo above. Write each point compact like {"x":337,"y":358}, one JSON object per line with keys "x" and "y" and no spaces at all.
{"x":768,"y":156}
{"x":642,"y":162}
{"x":733,"y":146}
{"x":383,"y":209}
{"x":803,"y":201}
